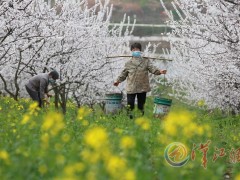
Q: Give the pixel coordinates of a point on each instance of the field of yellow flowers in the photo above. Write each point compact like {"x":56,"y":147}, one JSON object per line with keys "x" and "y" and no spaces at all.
{"x":190,"y":143}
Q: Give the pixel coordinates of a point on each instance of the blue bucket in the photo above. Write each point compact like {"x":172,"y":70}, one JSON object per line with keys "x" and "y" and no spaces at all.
{"x":113,"y":103}
{"x":161,"y":107}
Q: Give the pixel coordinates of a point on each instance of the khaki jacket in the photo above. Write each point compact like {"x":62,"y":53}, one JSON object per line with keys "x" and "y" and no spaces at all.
{"x":136,"y":72}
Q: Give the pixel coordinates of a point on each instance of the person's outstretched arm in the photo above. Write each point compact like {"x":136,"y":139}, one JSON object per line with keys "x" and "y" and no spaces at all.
{"x":121,"y":77}
{"x":154,"y":70}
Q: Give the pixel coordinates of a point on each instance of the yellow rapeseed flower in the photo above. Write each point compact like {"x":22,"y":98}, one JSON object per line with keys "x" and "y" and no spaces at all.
{"x":71,"y":169}
{"x":53,"y":123}
{"x":33,"y":108}
{"x":118,"y":130}
{"x":96,"y":137}
{"x":85,"y":123}
{"x":127,"y":142}
{"x":83,"y":112}
{"x":201,"y":103}
{"x":207,"y":129}
{"x":183,"y":121}
{"x":60,"y":159}
{"x":129,"y":175}
{"x":25,"y":119}
{"x":200,"y":130}
{"x":14,"y":130}
{"x":45,"y":140}
{"x":143,"y":122}
{"x":171,"y":129}
{"x":20,"y":107}
{"x":91,"y":157}
{"x":58,"y":146}
{"x":190,"y":130}
{"x":181,"y":118}
{"x":66,"y":138}
{"x":79,"y":166}
{"x":42,"y":169}
{"x":106,"y":154}
{"x":4,"y":156}
{"x":176,"y":120}
{"x":91,"y":175}
{"x":237,"y":177}
{"x":115,"y":165}
{"x":164,"y":139}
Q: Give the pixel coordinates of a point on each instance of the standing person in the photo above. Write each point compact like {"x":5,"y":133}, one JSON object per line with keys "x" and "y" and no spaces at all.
{"x":37,"y":86}
{"x":136,"y":72}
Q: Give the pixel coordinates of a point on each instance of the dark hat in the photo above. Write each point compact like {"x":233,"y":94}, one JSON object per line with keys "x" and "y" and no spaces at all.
{"x":136,"y":45}
{"x":54,"y":74}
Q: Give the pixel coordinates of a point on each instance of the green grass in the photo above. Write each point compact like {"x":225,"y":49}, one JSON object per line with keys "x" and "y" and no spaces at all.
{"x":89,"y":145}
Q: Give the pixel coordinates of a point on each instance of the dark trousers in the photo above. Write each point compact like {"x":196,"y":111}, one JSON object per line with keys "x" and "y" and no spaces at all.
{"x":141,"y":98}
{"x":35,"y":96}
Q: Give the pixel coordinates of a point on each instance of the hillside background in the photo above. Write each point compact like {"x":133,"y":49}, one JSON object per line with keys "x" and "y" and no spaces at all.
{"x":145,"y":12}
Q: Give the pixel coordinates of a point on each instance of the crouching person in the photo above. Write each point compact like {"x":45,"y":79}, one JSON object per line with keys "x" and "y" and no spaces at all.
{"x":37,"y":86}
{"x":136,"y":72}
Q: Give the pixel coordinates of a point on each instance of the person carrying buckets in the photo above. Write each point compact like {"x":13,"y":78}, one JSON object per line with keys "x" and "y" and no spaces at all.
{"x":136,"y":72}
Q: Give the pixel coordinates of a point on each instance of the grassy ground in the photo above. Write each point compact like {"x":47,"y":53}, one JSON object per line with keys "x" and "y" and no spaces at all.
{"x":44,"y":144}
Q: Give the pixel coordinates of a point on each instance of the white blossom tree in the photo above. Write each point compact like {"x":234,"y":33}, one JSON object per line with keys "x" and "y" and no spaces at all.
{"x":24,"y":49}
{"x":205,"y":47}
{"x":85,"y":72}
{"x":72,"y":38}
